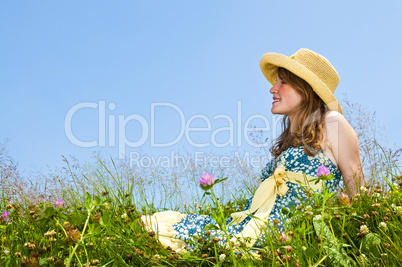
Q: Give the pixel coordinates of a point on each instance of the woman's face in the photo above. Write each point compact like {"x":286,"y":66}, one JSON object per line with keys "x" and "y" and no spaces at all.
{"x":286,"y":98}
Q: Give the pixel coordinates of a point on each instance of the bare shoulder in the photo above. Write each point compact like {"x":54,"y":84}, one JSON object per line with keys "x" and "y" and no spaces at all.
{"x":337,"y":126}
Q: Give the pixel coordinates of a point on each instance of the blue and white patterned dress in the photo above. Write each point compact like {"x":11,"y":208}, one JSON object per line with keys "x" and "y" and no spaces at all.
{"x":293,"y":159}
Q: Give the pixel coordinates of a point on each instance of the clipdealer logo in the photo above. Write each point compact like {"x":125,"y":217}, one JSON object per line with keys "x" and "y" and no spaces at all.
{"x":112,"y":128}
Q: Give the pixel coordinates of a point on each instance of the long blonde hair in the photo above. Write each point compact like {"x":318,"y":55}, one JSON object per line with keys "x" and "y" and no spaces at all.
{"x":309,"y":120}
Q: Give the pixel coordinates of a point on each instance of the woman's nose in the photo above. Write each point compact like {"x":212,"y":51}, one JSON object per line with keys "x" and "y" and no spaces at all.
{"x":274,"y":89}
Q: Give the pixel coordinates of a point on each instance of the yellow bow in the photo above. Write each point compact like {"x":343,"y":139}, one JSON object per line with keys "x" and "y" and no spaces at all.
{"x":264,"y":200}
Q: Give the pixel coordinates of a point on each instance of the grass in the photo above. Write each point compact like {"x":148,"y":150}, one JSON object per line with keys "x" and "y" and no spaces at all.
{"x":96,"y":222}
{"x":97,"y":225}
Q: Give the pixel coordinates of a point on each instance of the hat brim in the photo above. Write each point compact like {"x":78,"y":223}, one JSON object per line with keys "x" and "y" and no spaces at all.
{"x":270,"y":62}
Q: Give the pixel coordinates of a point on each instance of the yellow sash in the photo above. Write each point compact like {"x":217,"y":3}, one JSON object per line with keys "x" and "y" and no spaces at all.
{"x":264,"y":200}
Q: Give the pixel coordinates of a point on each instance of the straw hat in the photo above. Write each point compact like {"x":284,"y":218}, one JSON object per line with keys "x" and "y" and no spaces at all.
{"x":311,"y":67}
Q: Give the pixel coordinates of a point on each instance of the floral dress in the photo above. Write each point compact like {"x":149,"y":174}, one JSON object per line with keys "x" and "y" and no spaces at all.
{"x":293,"y":159}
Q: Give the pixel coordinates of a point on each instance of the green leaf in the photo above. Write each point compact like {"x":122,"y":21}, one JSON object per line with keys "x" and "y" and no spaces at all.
{"x":217,"y":181}
{"x":42,"y":261}
{"x":105,"y":219}
{"x":77,"y":219}
{"x":88,"y":200}
{"x":311,"y":252}
{"x":49,"y":211}
{"x":292,"y":208}
{"x":43,"y":223}
{"x":97,"y":200}
{"x":370,"y":244}
{"x":210,"y":227}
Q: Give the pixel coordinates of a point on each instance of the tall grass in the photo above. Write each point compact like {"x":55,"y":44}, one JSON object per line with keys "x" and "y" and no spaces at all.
{"x":98,"y":223}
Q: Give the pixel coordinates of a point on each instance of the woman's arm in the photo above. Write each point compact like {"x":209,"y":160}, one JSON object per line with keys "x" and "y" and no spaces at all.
{"x":344,"y":145}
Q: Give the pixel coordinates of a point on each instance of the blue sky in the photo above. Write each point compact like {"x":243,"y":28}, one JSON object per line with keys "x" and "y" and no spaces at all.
{"x":200,"y":56}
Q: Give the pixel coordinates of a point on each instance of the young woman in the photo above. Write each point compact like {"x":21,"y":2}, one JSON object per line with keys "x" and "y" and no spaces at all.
{"x":315,"y":134}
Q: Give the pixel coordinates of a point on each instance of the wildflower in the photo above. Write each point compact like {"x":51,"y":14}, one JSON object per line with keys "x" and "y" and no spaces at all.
{"x":276,"y":221}
{"x":5,"y":216}
{"x":124,"y":215}
{"x":317,"y":217}
{"x":363,"y":189}
{"x":157,"y":256}
{"x":377,"y":195}
{"x":222,"y":257}
{"x":366,"y":216}
{"x":151,"y":233}
{"x":283,"y":238}
{"x":50,"y":233}
{"x":396,"y":186}
{"x":364,"y":229}
{"x":398,"y":210}
{"x":376,"y":205}
{"x":59,"y":204}
{"x":343,"y":200}
{"x":206,"y":181}
{"x":73,"y":236}
{"x":383,"y":225}
{"x":322,"y":171}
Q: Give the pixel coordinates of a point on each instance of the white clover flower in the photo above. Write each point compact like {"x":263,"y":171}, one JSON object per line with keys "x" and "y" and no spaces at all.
{"x":377,"y":195}
{"x":309,"y":208}
{"x":317,"y":217}
{"x":124,"y":215}
{"x":364,"y":229}
{"x":363,"y":189}
{"x":383,"y":225}
{"x":396,"y":186}
{"x":157,"y":256}
{"x":49,"y":233}
{"x":222,"y":257}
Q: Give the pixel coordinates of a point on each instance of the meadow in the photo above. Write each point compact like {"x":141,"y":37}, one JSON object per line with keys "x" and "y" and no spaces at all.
{"x":87,"y":214}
